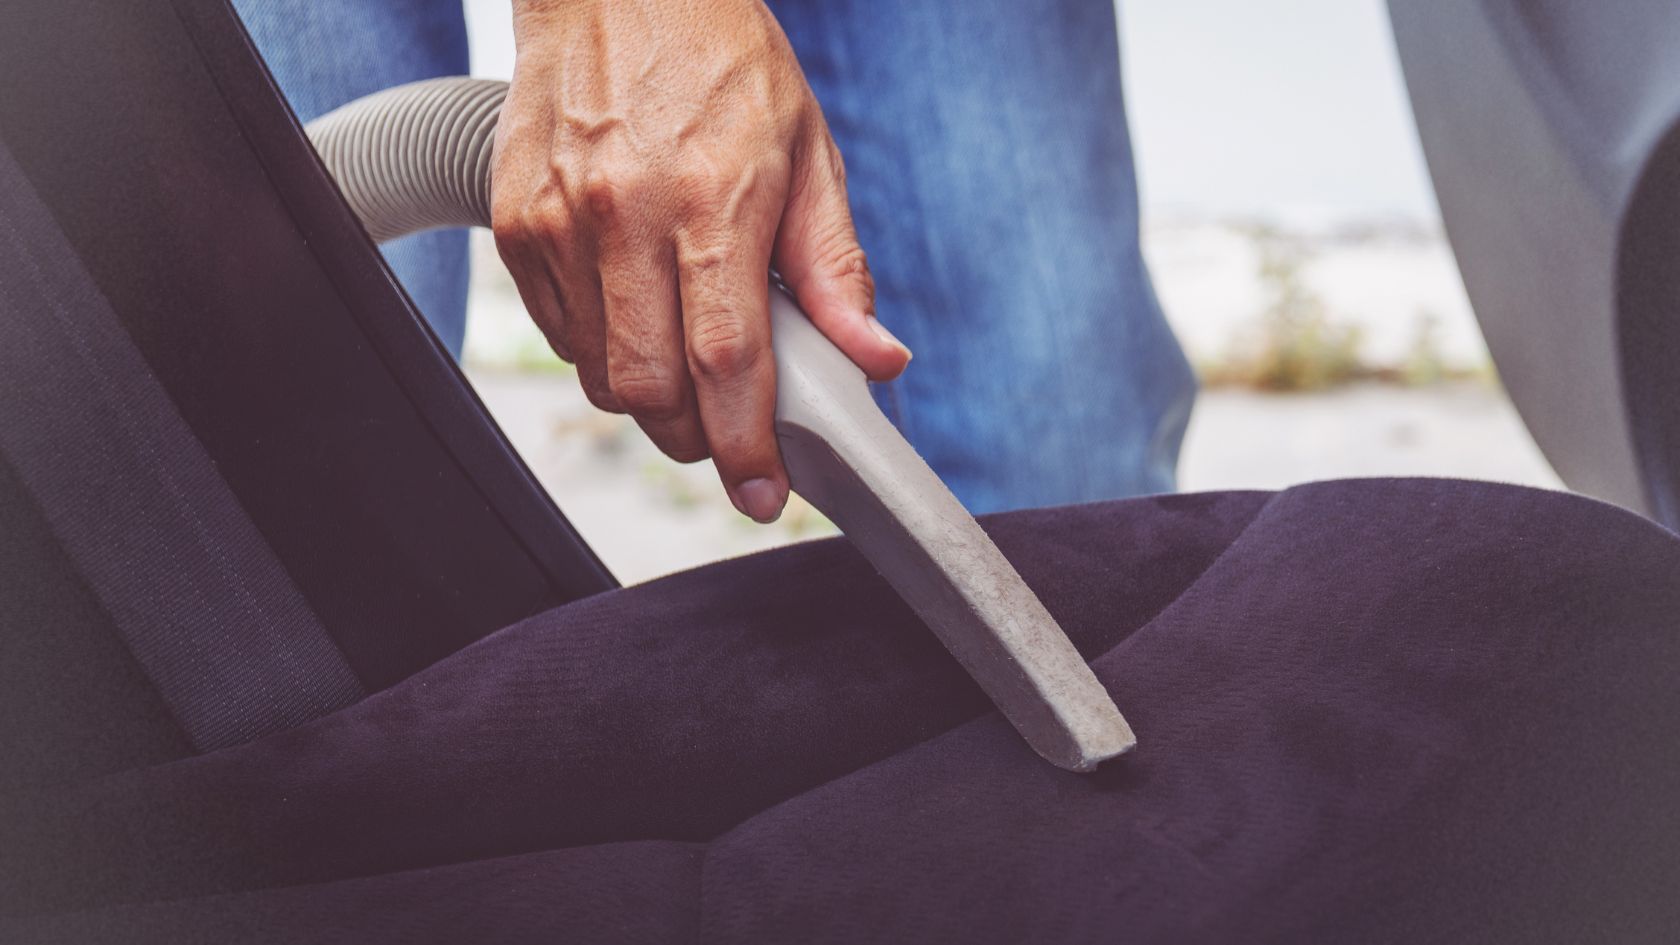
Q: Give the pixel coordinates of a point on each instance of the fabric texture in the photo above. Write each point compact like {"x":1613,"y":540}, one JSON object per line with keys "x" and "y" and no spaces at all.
{"x":990,"y":174}
{"x":346,"y":435}
{"x":1382,"y":711}
{"x":222,"y":632}
{"x":1371,"y":711}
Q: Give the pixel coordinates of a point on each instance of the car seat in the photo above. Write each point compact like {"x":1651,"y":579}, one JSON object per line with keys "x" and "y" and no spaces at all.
{"x":295,"y":650}
{"x":1552,"y":131}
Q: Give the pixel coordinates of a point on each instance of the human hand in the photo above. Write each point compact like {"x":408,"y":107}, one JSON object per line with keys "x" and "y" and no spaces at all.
{"x":654,"y":159}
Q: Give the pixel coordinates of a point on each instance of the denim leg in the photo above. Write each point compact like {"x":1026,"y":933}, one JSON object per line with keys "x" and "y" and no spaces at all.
{"x":324,"y":54}
{"x":991,"y":177}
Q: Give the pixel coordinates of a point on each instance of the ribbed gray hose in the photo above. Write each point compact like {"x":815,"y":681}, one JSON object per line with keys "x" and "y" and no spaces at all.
{"x":415,"y":157}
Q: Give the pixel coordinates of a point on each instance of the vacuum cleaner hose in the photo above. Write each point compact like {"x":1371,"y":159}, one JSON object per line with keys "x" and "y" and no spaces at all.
{"x":415,"y":157}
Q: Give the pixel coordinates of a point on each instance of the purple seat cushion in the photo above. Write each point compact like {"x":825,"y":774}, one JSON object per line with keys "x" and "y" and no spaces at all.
{"x":1368,"y":711}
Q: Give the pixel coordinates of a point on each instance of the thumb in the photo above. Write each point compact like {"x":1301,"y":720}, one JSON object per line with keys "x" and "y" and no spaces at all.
{"x":818,"y":256}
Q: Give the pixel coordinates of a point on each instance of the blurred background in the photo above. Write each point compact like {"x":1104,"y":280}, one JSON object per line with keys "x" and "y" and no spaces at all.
{"x":1293,"y":239}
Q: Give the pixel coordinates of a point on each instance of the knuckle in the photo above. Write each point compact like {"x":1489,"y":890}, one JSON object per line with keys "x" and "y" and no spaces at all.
{"x":647,"y":395}
{"x":702,"y":181}
{"x":599,"y":393}
{"x":544,"y":224}
{"x":685,"y":452}
{"x":602,"y":401}
{"x":507,"y":218}
{"x":610,"y":190}
{"x":722,"y":346}
{"x":846,"y":259}
{"x":709,"y":186}
{"x":601,"y":197}
{"x":704,"y":260}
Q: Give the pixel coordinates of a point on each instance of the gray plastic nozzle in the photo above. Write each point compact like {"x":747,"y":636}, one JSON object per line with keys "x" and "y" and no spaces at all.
{"x":417,"y":157}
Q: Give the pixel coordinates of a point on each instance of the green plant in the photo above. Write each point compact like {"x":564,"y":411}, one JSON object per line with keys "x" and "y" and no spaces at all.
{"x":1295,"y":344}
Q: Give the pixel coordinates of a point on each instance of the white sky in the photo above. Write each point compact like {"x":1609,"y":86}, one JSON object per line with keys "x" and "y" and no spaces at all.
{"x":1282,"y":108}
{"x":1288,"y":109}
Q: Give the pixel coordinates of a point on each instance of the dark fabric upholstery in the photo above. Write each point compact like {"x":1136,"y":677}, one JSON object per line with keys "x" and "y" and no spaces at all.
{"x":186,"y":191}
{"x":194,"y":592}
{"x":628,"y":892}
{"x":1368,"y":711}
{"x":73,"y":701}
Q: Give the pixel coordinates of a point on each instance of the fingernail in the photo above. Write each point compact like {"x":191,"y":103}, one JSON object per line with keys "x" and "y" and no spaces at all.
{"x":882,"y":333}
{"x":760,"y":500}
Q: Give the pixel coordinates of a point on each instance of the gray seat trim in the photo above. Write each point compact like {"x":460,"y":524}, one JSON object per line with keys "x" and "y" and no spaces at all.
{"x":201,"y":601}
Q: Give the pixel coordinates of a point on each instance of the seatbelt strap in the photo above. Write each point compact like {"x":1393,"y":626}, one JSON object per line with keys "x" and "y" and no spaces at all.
{"x":201,"y":601}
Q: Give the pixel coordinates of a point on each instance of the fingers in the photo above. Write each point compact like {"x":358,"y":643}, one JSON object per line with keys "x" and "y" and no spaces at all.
{"x":523,"y":224}
{"x":537,"y":291}
{"x":722,"y":265}
{"x":818,"y":256}
{"x":646,"y":368}
{"x":649,"y":273}
{"x":573,"y":264}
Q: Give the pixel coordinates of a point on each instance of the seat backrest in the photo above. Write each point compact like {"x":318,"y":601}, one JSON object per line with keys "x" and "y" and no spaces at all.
{"x":240,"y":482}
{"x":1552,"y":130}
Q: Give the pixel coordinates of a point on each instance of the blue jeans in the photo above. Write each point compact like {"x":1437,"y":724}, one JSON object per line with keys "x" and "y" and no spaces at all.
{"x":324,"y":54}
{"x":991,"y":178}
